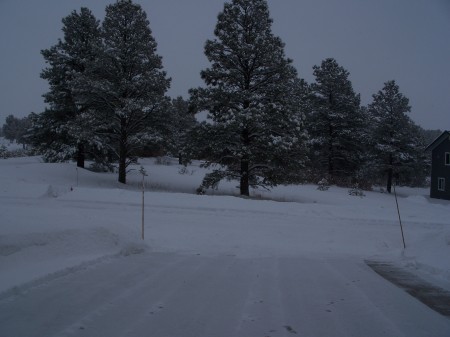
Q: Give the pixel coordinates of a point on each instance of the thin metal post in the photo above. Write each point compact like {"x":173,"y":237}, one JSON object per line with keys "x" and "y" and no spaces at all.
{"x":143,"y":203}
{"x":142,"y":171}
{"x":399,"y":218}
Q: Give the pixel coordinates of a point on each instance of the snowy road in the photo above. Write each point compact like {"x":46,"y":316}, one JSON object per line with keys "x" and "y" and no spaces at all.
{"x":181,"y":295}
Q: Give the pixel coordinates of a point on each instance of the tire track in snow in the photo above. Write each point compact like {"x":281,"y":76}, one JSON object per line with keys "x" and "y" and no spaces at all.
{"x":170,"y":295}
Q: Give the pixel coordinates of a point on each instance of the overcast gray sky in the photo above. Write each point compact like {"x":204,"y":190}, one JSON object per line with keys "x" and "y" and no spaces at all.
{"x":375,"y":40}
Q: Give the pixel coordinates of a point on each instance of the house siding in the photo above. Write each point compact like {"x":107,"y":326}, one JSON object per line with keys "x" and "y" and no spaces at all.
{"x":440,"y":170}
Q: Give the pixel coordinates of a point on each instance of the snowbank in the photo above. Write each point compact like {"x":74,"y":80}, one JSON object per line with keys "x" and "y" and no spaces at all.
{"x":55,"y":216}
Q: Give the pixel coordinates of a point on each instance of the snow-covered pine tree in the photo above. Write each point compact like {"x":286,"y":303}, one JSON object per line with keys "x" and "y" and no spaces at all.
{"x":183,"y":120}
{"x":397,"y":143}
{"x":11,"y":128}
{"x":57,"y":133}
{"x":255,"y":133}
{"x":15,"y":129}
{"x":125,"y":85}
{"x":419,"y":168}
{"x":335,"y":123}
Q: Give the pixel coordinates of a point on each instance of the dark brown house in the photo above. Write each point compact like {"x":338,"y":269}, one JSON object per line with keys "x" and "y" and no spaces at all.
{"x":440,"y":167}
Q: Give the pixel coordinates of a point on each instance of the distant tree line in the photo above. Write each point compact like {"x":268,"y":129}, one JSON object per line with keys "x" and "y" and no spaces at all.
{"x":15,"y":129}
{"x":266,"y":126}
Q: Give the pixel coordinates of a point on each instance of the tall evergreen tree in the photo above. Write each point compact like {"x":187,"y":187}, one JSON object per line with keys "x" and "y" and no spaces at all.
{"x":61,"y":136}
{"x":397,"y":143}
{"x":419,"y":167}
{"x":182,"y":121}
{"x":125,"y":85}
{"x":335,"y":122}
{"x":255,"y":134}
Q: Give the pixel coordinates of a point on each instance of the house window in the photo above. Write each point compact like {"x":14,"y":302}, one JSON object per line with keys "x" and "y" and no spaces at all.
{"x":447,"y":158}
{"x":441,"y":184}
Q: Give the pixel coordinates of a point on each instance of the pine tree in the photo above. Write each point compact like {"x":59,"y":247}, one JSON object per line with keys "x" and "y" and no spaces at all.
{"x":125,"y":85}
{"x":15,"y":129}
{"x":182,"y":121}
{"x":397,"y":143}
{"x":335,"y":122}
{"x":255,"y":134}
{"x":419,"y":167}
{"x":63,"y":138}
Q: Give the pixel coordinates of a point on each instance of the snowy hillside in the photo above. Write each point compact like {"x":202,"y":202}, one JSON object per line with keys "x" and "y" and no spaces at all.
{"x":54,"y":217}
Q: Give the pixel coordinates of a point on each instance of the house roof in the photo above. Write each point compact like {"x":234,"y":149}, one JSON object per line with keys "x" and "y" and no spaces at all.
{"x":438,"y":140}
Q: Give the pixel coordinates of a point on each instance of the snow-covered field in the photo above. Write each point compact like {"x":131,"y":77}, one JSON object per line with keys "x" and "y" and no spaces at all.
{"x":286,"y":261}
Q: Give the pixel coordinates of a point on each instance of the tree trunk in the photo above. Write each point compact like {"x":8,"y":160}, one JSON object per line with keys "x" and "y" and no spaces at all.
{"x":330,"y":164}
{"x":80,"y":155}
{"x":123,"y":153}
{"x":330,"y":153}
{"x":244,"y":183}
{"x":122,"y":163}
{"x":389,"y":180}
{"x":330,"y":139}
{"x":390,"y":174}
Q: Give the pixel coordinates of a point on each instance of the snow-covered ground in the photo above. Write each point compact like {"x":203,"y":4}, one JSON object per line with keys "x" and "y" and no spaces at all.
{"x":294,"y":248}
